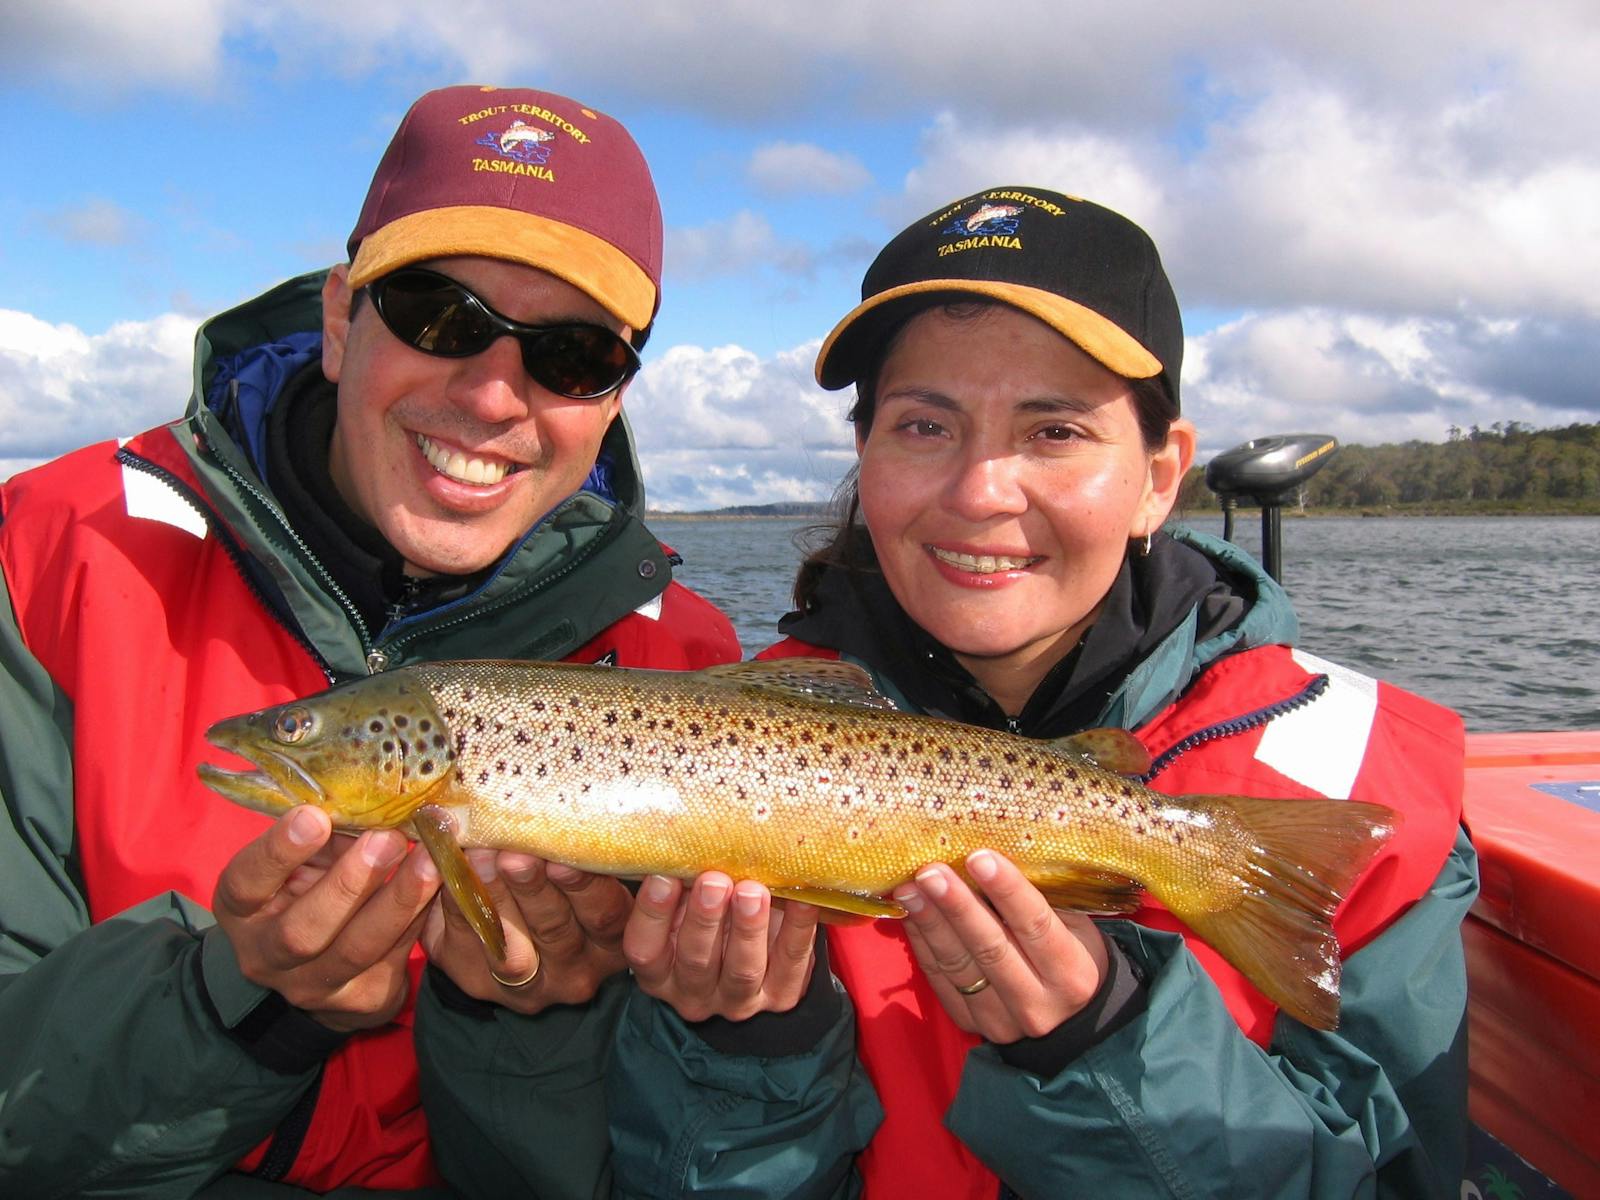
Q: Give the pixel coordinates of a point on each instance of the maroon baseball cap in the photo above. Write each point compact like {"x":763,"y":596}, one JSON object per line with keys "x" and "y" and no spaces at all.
{"x":522,"y":175}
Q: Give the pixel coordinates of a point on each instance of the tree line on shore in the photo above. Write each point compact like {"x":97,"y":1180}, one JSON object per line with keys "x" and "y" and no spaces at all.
{"x":1509,"y":466}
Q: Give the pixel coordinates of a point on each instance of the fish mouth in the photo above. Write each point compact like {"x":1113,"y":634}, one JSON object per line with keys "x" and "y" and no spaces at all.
{"x":277,"y":784}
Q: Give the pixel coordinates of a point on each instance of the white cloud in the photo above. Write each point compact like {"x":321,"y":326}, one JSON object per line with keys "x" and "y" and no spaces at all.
{"x":97,"y":221}
{"x":790,"y":168}
{"x":722,"y":426}
{"x":1369,"y":380}
{"x":61,"y":388}
{"x":172,"y":43}
{"x":743,"y":243}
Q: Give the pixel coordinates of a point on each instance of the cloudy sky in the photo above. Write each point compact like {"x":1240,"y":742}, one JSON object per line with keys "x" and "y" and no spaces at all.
{"x":1381,"y":219}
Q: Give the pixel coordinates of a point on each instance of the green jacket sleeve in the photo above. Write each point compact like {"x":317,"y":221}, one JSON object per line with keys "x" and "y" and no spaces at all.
{"x":117,"y":1074}
{"x":687,"y":1120}
{"x":516,"y":1104}
{"x":1179,"y":1103}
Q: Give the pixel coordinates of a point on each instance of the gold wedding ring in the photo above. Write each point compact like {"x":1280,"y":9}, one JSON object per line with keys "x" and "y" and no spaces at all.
{"x":972,"y":989}
{"x":517,"y":983}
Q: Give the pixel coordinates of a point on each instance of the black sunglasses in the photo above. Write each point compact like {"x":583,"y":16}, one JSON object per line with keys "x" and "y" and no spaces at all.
{"x":435,"y":314}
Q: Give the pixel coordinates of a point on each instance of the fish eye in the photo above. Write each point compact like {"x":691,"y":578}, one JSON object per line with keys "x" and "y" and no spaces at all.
{"x":292,"y":725}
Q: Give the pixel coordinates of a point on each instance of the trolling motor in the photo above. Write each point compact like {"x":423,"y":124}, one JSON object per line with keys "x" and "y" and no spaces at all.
{"x":1267,"y":471}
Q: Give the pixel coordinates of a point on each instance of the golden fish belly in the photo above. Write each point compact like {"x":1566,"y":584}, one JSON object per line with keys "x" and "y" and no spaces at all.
{"x":655,"y":774}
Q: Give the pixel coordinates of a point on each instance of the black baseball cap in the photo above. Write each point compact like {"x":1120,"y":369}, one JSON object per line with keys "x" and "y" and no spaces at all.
{"x":1089,"y":273}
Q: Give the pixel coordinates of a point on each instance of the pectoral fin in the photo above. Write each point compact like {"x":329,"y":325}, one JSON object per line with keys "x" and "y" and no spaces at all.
{"x":436,"y":831}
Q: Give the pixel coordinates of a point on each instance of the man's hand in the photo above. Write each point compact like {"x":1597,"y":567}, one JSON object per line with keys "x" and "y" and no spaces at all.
{"x":720,"y":949}
{"x":563,"y":933}
{"x":328,"y":924}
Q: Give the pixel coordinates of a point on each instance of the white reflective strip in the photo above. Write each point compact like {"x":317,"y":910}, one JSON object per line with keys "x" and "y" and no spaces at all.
{"x":1322,"y":745}
{"x":152,"y":500}
{"x":651,"y":608}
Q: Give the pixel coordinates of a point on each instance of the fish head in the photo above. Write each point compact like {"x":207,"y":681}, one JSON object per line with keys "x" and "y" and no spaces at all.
{"x":367,"y":753}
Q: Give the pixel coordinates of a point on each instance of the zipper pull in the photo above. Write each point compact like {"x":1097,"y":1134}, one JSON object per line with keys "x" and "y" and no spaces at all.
{"x":377,"y":661}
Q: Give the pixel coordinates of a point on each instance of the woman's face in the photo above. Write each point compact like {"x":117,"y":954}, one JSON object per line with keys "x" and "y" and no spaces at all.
{"x":1002,"y":480}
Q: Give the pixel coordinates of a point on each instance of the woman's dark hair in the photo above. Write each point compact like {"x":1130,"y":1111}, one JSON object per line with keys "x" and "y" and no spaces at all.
{"x":842,"y":541}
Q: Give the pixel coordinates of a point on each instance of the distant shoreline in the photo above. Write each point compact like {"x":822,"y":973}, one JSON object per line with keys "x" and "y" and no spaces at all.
{"x":1465,"y":509}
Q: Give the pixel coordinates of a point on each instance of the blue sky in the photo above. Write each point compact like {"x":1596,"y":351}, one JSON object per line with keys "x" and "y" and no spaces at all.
{"x":1380,"y":223}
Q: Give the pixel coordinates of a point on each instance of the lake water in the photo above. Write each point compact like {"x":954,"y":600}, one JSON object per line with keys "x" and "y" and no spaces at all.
{"x":1498,"y":617}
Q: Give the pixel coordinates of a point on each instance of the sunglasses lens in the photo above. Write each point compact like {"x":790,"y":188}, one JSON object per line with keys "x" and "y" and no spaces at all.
{"x":580,"y":361}
{"x":433,"y":313}
{"x":437,"y":315}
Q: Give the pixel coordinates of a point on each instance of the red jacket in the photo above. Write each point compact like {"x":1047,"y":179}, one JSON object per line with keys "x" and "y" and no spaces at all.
{"x":152,"y":633}
{"x":1360,"y":738}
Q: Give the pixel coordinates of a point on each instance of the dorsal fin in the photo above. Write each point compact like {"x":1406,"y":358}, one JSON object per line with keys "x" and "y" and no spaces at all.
{"x":823,"y":679}
{"x":1110,"y":749}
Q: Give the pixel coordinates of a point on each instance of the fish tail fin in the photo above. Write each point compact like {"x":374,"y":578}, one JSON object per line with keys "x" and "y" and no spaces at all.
{"x":1304,"y":857}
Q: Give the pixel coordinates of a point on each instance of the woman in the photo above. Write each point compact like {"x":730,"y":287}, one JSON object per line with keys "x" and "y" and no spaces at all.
{"x":1002,"y":562}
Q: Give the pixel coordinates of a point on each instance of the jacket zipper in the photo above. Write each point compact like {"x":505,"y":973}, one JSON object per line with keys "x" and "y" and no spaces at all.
{"x":234,"y":551}
{"x":1314,"y":687}
{"x":328,"y":582}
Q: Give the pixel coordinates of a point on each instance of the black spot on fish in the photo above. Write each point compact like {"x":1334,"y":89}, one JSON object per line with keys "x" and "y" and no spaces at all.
{"x":500,"y":767}
{"x":483,"y":776}
{"x":537,"y":706}
{"x":577,"y":754}
{"x":401,"y":721}
{"x":425,"y":725}
{"x":477,"y":724}
{"x":375,"y":727}
{"x":695,"y":729}
{"x":625,"y":768}
{"x":611,"y":716}
{"x":388,"y":747}
{"x":439,"y":741}
{"x":541,"y":771}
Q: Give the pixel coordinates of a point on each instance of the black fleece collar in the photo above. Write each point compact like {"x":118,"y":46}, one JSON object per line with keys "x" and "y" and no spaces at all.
{"x":855,"y":613}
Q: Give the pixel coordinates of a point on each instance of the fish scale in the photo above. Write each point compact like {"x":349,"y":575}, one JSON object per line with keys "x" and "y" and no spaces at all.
{"x":801,"y":776}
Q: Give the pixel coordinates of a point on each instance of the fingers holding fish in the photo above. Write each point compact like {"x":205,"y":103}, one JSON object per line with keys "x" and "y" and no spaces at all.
{"x":574,"y":921}
{"x":332,"y":940}
{"x":1005,"y":972}
{"x":719,"y":949}
{"x":561,"y":928}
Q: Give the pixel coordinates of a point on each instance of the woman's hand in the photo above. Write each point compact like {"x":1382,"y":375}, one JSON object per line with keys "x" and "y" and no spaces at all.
{"x":327,"y":922}
{"x":1014,"y":970}
{"x":719,"y":949}
{"x":563,"y":933}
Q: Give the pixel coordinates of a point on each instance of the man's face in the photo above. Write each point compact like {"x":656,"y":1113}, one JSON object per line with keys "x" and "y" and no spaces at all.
{"x":454,"y":459}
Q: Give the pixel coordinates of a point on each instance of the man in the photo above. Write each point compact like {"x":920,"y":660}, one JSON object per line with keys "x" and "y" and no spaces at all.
{"x":430,"y":463}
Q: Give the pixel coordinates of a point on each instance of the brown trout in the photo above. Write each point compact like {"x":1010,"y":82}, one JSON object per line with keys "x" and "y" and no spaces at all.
{"x":800,"y":775}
